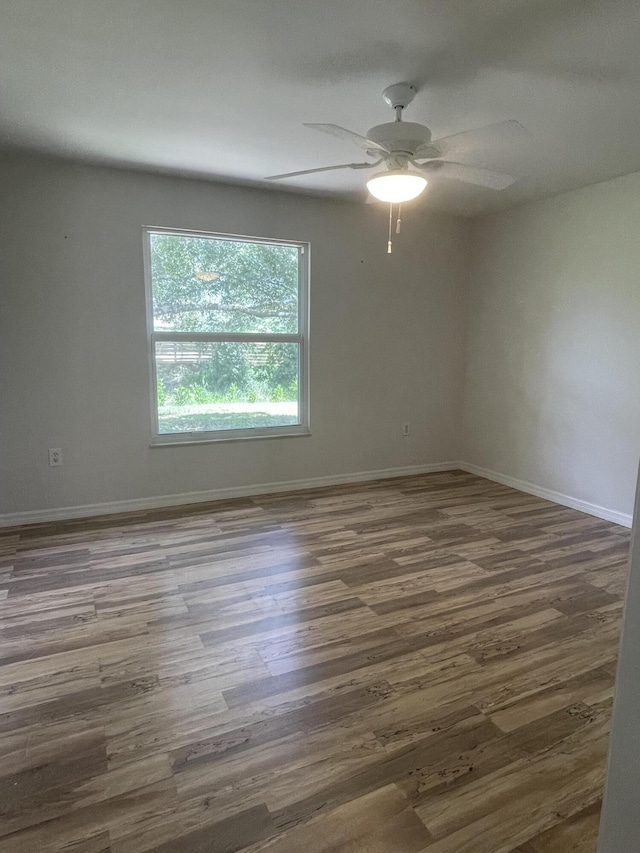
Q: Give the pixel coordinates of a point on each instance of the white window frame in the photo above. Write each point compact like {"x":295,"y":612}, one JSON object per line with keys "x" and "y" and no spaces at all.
{"x":159,"y":439}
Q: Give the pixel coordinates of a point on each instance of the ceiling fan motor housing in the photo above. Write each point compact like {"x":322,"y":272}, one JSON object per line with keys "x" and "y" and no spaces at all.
{"x":402,"y":137}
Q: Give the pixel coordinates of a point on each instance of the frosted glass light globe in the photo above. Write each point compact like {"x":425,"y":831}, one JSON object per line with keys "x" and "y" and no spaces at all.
{"x":396,"y":186}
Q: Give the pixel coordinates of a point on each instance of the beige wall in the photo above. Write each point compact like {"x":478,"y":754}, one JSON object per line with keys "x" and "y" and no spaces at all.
{"x":552,"y":384}
{"x":386,"y":336}
{"x":550,"y":295}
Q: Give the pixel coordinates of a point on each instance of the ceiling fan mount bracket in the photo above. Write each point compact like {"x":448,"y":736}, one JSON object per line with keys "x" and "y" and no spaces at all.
{"x":399,"y":95}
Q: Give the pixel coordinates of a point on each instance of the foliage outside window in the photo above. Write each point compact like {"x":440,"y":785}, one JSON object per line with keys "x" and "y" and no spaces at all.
{"x":227,"y":323}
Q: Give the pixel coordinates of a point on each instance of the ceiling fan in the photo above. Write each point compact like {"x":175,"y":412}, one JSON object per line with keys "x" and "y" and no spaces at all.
{"x":408,"y":155}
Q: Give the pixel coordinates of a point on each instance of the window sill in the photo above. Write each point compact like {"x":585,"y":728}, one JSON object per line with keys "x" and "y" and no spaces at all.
{"x":183,"y":439}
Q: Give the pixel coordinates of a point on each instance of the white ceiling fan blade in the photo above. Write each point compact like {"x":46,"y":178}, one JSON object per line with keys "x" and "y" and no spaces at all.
{"x":349,"y":135}
{"x":427,"y":152}
{"x":322,"y":169}
{"x":492,"y":139}
{"x":468,"y":174}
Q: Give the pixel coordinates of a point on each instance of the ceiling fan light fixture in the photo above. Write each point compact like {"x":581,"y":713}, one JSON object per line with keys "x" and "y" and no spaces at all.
{"x":396,"y":185}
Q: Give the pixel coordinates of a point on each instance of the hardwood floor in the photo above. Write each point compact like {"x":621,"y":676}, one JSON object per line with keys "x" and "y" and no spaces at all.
{"x":423,"y":664}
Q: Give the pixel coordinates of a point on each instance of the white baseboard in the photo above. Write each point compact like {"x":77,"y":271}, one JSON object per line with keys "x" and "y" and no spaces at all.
{"x":15,"y":519}
{"x":621,"y":518}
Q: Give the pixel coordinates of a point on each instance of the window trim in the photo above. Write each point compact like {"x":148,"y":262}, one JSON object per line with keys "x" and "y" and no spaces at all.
{"x":159,"y":439}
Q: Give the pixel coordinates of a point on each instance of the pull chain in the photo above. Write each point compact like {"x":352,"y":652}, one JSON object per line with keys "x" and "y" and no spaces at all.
{"x":389,"y":244}
{"x":398,"y":220}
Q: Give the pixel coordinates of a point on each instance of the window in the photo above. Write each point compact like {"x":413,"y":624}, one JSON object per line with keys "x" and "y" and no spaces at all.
{"x":227,"y":325}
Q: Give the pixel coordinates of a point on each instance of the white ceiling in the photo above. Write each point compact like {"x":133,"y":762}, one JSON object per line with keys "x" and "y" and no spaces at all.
{"x":221,"y":88}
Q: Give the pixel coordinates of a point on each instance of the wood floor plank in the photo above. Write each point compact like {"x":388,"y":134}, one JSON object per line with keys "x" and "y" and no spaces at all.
{"x":229,"y":835}
{"x":576,"y":834}
{"x":418,"y":665}
{"x":380,"y":822}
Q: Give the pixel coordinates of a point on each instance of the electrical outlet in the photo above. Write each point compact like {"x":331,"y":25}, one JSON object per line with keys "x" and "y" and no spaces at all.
{"x":55,"y":456}
{"x":406,"y":428}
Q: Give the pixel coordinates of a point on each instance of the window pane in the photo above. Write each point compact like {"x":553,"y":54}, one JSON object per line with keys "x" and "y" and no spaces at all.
{"x":206,"y":284}
{"x":214,"y":386}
